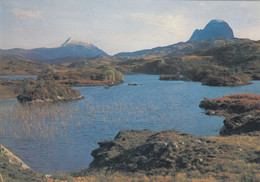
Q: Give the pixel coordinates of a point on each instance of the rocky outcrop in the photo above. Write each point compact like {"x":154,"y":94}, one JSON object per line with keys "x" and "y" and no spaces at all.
{"x":14,"y":169}
{"x":164,"y":153}
{"x":242,"y":112}
{"x":48,"y":90}
{"x":215,"y":29}
{"x":233,"y":80}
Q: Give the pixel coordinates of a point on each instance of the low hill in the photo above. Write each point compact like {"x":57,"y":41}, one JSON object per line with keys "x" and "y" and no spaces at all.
{"x":82,"y":62}
{"x":11,"y":65}
{"x":180,"y":48}
{"x":241,"y":56}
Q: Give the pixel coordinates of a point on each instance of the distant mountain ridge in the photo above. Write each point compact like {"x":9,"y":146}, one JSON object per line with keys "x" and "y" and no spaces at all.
{"x":181,"y":48}
{"x":71,"y":47}
{"x":215,"y":34}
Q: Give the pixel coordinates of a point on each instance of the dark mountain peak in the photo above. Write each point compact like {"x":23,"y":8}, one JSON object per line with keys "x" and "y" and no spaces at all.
{"x":216,"y":21}
{"x":215,"y":29}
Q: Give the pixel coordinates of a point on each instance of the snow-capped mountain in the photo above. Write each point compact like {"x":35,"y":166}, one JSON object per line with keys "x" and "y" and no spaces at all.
{"x":70,"y":48}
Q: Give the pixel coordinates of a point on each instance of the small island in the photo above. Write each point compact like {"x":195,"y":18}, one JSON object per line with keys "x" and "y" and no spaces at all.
{"x":46,"y":89}
{"x":242,"y":112}
{"x":233,"y":80}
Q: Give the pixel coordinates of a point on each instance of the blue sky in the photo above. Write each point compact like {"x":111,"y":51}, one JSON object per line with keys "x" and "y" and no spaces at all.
{"x":119,"y":25}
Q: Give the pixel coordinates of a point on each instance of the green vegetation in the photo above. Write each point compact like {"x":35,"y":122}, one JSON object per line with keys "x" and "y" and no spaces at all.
{"x":12,"y":88}
{"x":111,"y":74}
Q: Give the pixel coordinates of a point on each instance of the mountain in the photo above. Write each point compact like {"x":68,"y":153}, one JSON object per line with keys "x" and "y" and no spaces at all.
{"x":69,"y":48}
{"x":82,"y":48}
{"x":215,"y":29}
{"x":216,"y":33}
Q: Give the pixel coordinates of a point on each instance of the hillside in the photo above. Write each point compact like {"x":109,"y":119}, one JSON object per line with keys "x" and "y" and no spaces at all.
{"x":11,"y":65}
{"x":241,"y":56}
{"x":180,"y":48}
{"x":237,"y":63}
{"x":83,"y":62}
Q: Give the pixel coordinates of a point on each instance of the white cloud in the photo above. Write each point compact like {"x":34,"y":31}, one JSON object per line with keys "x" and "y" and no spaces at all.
{"x":162,"y":21}
{"x":165,"y":24}
{"x":26,"y":14}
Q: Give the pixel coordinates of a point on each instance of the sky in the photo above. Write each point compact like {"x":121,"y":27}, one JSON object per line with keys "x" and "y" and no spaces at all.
{"x":119,"y":25}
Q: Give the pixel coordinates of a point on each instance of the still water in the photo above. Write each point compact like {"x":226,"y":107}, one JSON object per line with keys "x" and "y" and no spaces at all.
{"x":59,"y":137}
{"x":19,"y":77}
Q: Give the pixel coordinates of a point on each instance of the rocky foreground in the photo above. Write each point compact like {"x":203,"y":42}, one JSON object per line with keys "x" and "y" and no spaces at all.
{"x":14,"y":169}
{"x":144,"y":155}
{"x":170,"y":153}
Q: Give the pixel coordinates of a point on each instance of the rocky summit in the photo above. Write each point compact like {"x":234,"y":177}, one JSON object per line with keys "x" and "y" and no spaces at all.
{"x":215,"y":29}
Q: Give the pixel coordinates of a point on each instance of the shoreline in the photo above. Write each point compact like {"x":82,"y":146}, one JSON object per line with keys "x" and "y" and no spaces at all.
{"x":161,"y":144}
{"x":169,"y":153}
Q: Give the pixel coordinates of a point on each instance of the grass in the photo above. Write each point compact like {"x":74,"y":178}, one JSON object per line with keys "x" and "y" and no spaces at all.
{"x":35,"y":120}
{"x":137,"y":177}
{"x":46,"y":120}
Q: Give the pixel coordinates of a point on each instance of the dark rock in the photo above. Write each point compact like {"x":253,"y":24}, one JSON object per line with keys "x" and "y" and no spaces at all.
{"x":150,"y":152}
{"x":215,"y":29}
